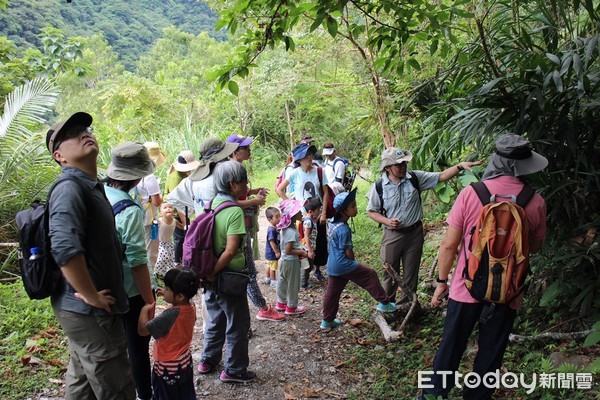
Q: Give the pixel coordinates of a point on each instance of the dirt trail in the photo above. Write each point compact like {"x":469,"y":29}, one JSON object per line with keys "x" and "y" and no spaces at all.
{"x":292,"y":358}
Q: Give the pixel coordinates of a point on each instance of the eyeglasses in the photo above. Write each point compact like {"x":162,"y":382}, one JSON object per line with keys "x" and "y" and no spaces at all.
{"x":73,"y":133}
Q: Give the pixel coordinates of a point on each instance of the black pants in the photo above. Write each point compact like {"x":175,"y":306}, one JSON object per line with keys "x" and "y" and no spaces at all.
{"x":321,"y":250}
{"x":178,"y":236}
{"x":137,"y":349}
{"x":492,"y":341}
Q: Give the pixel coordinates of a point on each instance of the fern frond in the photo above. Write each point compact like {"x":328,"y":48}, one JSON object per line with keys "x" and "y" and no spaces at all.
{"x":26,"y":106}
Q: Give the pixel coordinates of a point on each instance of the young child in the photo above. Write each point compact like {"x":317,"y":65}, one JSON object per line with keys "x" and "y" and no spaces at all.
{"x":272,"y":252}
{"x":308,"y":225}
{"x":173,"y":372}
{"x":288,"y":283}
{"x":342,"y":267}
{"x":166,"y":251}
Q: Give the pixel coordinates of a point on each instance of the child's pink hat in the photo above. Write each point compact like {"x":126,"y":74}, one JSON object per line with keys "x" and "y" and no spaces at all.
{"x":289,"y":208}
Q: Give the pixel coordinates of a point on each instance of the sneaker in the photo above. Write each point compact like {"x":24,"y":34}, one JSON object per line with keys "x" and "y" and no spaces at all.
{"x":389,"y":307}
{"x":269,"y":315}
{"x":247,"y":376}
{"x":319,"y":276}
{"x":280,"y":306}
{"x":326,"y":325}
{"x":273,"y":284}
{"x":295,"y":310}
{"x":204,"y":368}
{"x":307,"y":285}
{"x":266,"y":280}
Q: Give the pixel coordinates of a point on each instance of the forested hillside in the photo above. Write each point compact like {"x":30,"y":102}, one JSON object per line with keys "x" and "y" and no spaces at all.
{"x":129,"y":26}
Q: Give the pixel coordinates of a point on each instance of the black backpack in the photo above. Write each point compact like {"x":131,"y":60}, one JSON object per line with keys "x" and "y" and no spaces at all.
{"x":41,"y":276}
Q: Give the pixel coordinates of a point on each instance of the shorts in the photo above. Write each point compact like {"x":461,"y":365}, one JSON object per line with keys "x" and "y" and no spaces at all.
{"x":273,"y":264}
{"x":305,"y":264}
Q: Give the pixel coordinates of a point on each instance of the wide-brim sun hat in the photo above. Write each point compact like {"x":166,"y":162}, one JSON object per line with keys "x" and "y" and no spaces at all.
{"x":289,"y":208}
{"x":393,"y":156}
{"x":518,"y":149}
{"x":53,"y":135}
{"x":185,"y":162}
{"x":156,"y":154}
{"x":212,"y":150}
{"x":342,"y":201}
{"x":242,"y":141}
{"x":301,"y":150}
{"x":130,"y":161}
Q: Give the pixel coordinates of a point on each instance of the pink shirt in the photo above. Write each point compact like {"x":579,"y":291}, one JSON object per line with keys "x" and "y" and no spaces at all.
{"x":464,"y":215}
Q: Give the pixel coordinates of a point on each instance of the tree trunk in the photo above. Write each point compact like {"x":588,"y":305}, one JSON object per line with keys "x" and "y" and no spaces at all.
{"x":289,"y":122}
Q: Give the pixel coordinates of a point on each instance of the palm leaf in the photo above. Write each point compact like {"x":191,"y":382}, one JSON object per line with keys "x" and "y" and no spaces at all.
{"x":26,"y":106}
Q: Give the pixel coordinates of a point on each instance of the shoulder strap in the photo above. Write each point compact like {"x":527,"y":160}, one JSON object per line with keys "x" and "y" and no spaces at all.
{"x":379,"y":190}
{"x":523,"y":198}
{"x":320,"y":176}
{"x":64,"y":179}
{"x":414,"y":180}
{"x":222,"y":206}
{"x":525,"y":195}
{"x":47,"y":209}
{"x":482,"y":192}
{"x":123,"y":204}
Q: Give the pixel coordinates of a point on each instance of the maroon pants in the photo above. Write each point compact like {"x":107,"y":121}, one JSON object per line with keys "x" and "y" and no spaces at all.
{"x":363,"y":276}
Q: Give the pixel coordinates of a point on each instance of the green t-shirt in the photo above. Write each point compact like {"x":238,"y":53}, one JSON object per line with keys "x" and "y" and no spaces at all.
{"x":230,"y":221}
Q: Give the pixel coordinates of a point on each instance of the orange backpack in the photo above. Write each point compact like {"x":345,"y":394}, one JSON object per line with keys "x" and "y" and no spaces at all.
{"x":498,"y":258}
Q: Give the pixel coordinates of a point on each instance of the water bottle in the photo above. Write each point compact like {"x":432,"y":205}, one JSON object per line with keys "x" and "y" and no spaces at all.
{"x":154,"y":230}
{"x":35,"y":252}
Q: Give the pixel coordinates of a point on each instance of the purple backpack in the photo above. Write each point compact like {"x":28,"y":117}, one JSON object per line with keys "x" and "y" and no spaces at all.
{"x":198,"y":247}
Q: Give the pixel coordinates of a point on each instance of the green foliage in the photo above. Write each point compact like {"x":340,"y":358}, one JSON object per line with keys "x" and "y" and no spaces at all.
{"x":533,"y":71}
{"x":594,"y":337}
{"x":57,"y":56}
{"x":131,"y":27}
{"x":28,"y":328}
{"x":389,"y":28}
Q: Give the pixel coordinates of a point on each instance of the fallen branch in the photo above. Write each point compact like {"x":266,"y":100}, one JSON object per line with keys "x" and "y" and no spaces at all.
{"x":9,"y":244}
{"x":550,"y":335}
{"x":413,"y":305}
{"x":389,"y":334}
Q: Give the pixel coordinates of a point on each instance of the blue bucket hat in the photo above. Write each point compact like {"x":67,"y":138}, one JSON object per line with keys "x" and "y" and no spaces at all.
{"x":342,"y":201}
{"x":301,"y":150}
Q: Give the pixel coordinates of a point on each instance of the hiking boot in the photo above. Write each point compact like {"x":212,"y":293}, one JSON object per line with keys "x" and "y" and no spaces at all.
{"x":319,"y":276}
{"x":244,"y":377}
{"x":327,"y":325}
{"x":386,"y":308}
{"x":269,"y":315}
{"x":280,"y":306}
{"x":295,"y":310}
{"x":204,"y":368}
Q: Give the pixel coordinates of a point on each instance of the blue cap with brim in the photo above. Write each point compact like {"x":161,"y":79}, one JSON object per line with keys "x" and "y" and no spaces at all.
{"x":342,"y":201}
{"x":301,"y":150}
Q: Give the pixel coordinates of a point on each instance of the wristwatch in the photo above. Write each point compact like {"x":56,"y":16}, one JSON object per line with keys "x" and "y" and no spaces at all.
{"x":438,"y":280}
